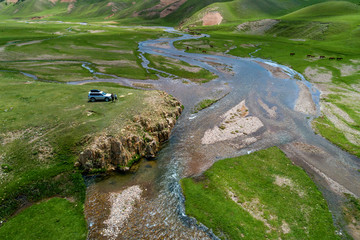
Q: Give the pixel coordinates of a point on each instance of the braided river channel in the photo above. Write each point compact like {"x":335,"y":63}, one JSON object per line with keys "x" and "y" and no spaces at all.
{"x":280,"y":110}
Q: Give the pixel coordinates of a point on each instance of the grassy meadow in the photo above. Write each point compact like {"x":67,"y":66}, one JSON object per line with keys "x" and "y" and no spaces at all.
{"x":258,"y":196}
{"x":43,"y":128}
{"x":57,"y":219}
{"x":56,"y":51}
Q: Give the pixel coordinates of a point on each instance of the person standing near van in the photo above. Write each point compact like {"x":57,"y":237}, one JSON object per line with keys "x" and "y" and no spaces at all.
{"x":112,"y":97}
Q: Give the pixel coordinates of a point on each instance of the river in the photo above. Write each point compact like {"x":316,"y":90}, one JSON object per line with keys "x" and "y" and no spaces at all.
{"x":159,"y":213}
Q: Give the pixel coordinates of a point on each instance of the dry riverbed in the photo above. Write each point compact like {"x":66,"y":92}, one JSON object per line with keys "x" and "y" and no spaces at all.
{"x":236,"y":123}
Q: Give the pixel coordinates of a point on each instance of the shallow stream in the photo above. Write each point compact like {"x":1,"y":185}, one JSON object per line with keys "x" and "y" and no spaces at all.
{"x":159,"y":214}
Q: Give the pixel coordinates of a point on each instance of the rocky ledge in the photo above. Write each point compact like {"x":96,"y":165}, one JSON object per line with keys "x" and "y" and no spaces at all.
{"x":142,"y":137}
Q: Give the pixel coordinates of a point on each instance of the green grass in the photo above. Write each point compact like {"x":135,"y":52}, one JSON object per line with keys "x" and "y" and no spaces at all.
{"x":43,"y":128}
{"x":60,"y":53}
{"x":326,"y":9}
{"x":56,"y":219}
{"x":251,"y":179}
{"x":204,"y":104}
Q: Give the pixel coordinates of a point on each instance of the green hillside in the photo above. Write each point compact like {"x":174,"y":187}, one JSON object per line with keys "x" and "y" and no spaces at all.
{"x":126,"y":11}
{"x":246,"y":10}
{"x":326,"y":9}
{"x":173,"y":13}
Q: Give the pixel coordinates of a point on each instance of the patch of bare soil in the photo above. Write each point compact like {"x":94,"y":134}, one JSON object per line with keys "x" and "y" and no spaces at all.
{"x":287,"y":182}
{"x":247,"y":45}
{"x":257,"y":27}
{"x":44,"y":152}
{"x":102,"y":69}
{"x":52,"y":57}
{"x":304,"y":102}
{"x":114,"y":9}
{"x":166,"y":6}
{"x":348,"y":70}
{"x":121,"y":51}
{"x":9,"y":137}
{"x":117,"y":63}
{"x":277,"y":72}
{"x":70,"y":7}
{"x":318,"y":74}
{"x":96,"y":31}
{"x":235,"y":123}
{"x":354,"y":231}
{"x":212,"y":18}
{"x":85,"y":48}
{"x":172,"y":8}
{"x":285,"y":227}
{"x":122,"y":204}
{"x":42,"y":64}
{"x":331,"y":113}
{"x":29,"y":43}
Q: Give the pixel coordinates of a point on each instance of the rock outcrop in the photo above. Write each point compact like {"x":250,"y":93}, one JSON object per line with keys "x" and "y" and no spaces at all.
{"x":141,"y":137}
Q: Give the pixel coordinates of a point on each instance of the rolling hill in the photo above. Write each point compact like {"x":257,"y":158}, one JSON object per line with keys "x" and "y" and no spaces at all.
{"x":325,"y":9}
{"x":169,"y":12}
{"x":164,"y":11}
{"x":249,"y":10}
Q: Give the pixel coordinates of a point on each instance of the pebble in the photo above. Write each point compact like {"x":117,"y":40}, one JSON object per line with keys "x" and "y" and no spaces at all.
{"x":121,"y":207}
